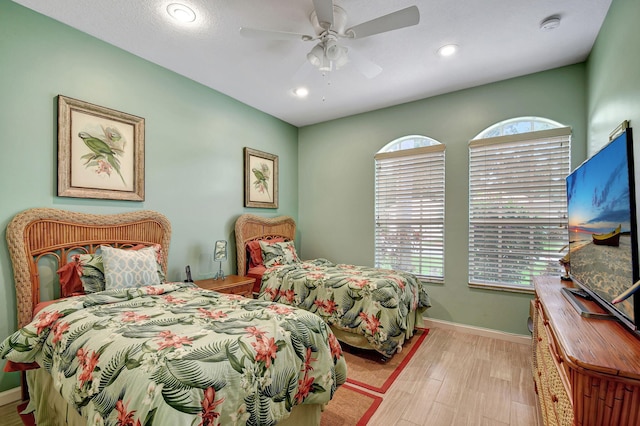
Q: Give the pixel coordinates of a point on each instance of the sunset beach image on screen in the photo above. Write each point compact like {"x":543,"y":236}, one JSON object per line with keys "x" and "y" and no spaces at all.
{"x":600,"y":224}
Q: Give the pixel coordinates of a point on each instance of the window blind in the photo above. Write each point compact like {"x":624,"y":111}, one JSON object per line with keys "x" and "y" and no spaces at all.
{"x":517,"y":207}
{"x":409,"y":209}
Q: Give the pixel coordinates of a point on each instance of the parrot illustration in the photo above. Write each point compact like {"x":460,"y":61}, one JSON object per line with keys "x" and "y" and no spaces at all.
{"x":101,"y":149}
{"x":114,"y":139}
{"x":262,"y":176}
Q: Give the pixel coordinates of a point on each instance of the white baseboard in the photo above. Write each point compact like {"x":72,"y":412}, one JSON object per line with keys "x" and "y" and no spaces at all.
{"x":9,"y":396}
{"x":486,"y":332}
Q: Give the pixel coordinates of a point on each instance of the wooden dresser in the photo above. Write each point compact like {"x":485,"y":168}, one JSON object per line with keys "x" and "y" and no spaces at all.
{"x":586,"y":370}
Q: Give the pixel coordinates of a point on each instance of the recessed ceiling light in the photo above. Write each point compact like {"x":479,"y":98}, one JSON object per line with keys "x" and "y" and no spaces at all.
{"x":550,"y":23}
{"x":301,"y":92}
{"x":448,"y":50}
{"x":181,"y":13}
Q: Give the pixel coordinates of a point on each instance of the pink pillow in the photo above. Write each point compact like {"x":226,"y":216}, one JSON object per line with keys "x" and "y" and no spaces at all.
{"x":255,"y":251}
{"x":11,"y":366}
{"x":70,"y":282}
{"x":257,"y":272}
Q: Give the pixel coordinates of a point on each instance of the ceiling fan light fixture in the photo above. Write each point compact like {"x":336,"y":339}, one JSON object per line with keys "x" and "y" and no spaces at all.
{"x":332,"y":50}
{"x":325,"y":65}
{"x":181,"y":12}
{"x":316,"y":55}
{"x":342,"y":59}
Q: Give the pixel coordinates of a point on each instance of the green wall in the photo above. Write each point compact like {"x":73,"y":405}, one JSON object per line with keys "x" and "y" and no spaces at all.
{"x":337,"y":187}
{"x":613,"y":71}
{"x":194,"y":142}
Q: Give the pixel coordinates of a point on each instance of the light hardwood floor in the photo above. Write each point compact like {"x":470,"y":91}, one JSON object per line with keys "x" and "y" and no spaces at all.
{"x":455,"y":378}
{"x":9,"y":415}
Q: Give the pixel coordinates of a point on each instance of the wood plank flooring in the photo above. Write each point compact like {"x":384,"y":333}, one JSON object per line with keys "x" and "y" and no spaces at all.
{"x":462,"y":379}
{"x":9,"y":415}
{"x":454,"y":379}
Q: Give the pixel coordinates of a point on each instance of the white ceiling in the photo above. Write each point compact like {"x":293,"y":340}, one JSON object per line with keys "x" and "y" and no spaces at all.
{"x":498,"y":39}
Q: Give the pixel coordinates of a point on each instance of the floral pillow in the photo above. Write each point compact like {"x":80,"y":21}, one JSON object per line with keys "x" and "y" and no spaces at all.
{"x":255,"y":251}
{"x":129,"y":268}
{"x":283,"y":253}
{"x":91,"y":271}
{"x":90,"y":268}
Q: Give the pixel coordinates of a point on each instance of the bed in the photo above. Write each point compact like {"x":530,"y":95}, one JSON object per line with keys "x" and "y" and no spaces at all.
{"x":163,"y":352}
{"x":366,"y":308}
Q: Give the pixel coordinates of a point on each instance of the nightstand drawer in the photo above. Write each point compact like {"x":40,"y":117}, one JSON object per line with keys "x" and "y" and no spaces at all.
{"x":231,"y":284}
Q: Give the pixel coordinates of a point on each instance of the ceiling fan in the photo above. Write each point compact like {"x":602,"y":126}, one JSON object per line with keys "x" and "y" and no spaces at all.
{"x":330,"y":25}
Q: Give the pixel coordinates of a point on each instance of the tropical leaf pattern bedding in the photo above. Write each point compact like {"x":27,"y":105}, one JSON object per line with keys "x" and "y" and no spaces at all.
{"x":181,"y":355}
{"x":375,"y":303}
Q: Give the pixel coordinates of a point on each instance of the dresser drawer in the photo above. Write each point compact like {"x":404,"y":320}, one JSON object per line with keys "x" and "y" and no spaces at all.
{"x":550,"y":375}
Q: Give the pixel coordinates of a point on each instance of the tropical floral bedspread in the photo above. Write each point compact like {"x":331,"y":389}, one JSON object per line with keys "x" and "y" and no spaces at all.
{"x":181,"y":355}
{"x":375,"y":303}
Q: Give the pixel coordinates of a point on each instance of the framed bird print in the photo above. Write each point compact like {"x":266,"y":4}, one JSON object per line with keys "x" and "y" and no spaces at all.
{"x":100,"y":152}
{"x":260,"y":179}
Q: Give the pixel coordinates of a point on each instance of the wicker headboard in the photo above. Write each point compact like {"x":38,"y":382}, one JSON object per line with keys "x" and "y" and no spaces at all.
{"x":250,"y":227}
{"x":36,"y":233}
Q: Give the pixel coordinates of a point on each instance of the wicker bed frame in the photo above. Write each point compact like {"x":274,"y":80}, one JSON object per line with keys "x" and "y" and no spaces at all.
{"x":42,"y":232}
{"x":250,"y":227}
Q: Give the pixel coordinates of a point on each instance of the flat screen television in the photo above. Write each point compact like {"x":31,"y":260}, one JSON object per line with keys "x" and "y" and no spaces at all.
{"x":603,"y":246}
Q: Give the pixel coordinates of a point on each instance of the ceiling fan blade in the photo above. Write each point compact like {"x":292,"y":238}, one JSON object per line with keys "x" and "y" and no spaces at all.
{"x":393,"y":21}
{"x":324,"y":12}
{"x":273,"y":35}
{"x":364,"y":65}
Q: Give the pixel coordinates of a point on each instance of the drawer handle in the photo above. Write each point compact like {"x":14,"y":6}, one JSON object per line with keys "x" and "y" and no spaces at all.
{"x":539,"y":339}
{"x":554,"y":398}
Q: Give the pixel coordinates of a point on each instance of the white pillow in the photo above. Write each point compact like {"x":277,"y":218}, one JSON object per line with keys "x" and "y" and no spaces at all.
{"x":129,"y":268}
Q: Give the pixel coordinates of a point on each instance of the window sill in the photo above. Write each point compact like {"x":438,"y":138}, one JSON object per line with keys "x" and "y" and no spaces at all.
{"x":430,"y":280}
{"x":504,"y":287}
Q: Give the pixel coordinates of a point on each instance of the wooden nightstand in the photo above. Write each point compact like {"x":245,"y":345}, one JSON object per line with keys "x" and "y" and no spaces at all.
{"x":232,"y":284}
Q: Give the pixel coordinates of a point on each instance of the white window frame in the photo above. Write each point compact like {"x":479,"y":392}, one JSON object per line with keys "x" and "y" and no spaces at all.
{"x":409,"y":207}
{"x":517,"y":207}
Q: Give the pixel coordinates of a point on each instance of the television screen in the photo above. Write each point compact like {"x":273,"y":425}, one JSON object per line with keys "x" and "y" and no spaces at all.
{"x":602,"y":227}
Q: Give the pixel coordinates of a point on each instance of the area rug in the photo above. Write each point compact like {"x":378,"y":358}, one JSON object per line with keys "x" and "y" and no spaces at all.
{"x":350,"y":406}
{"x":367,"y":370}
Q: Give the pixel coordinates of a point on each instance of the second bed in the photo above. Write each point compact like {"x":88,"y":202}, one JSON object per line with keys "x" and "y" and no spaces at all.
{"x":366,"y":307}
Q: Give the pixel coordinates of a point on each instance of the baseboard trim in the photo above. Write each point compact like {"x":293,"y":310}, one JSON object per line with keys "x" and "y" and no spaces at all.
{"x":485,"y":332}
{"x":9,"y":396}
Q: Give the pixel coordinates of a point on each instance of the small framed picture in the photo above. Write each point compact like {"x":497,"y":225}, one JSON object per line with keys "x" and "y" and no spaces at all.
{"x":260,"y":179}
{"x":100,"y":152}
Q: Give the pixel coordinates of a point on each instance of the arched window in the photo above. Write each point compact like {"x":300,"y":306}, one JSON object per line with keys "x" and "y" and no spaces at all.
{"x":514,"y":126}
{"x":409,"y":206}
{"x":517,"y":202}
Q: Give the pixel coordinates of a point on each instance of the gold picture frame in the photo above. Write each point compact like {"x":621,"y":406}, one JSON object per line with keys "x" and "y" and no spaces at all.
{"x":260,"y":179}
{"x":100,"y":152}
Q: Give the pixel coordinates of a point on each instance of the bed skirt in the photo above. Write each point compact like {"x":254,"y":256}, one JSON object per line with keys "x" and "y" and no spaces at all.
{"x":359,"y":341}
{"x":50,"y":409}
